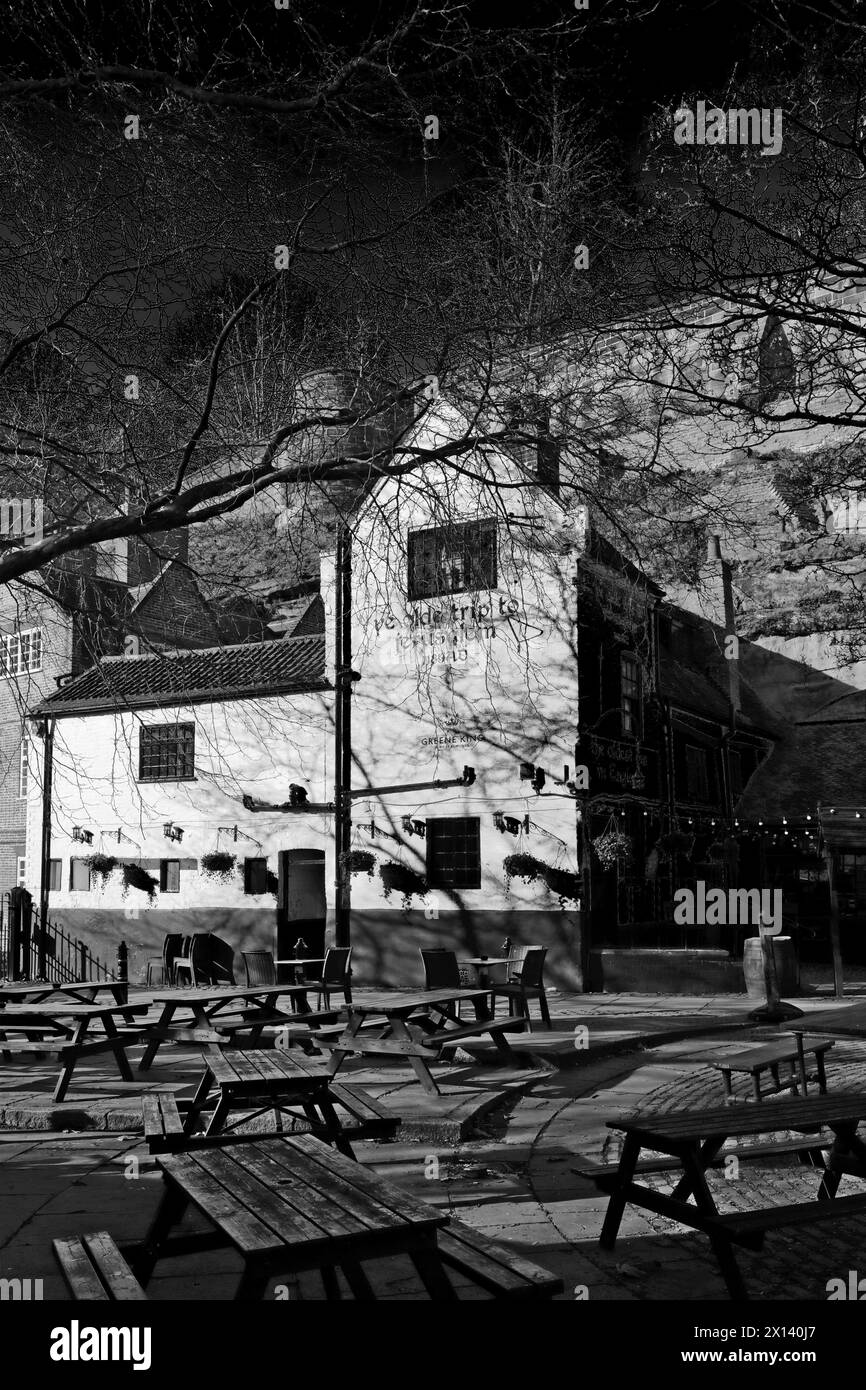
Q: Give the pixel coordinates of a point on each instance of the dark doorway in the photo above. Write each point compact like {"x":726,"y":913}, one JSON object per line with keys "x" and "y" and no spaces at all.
{"x":301,"y":904}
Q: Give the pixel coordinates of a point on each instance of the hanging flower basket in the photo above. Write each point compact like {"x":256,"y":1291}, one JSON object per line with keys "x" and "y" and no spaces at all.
{"x":217,"y":865}
{"x":612,"y":848}
{"x":134,"y":876}
{"x":102,"y":865}
{"x":397,"y":878}
{"x":563,"y":883}
{"x":524,"y":866}
{"x":359,"y":861}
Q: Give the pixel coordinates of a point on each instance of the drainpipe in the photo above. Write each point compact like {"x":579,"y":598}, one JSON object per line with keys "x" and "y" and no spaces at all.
{"x":47,"y":730}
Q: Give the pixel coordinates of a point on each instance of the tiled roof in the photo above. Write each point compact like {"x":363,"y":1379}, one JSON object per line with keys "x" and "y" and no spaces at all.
{"x":216,"y":673}
{"x":816,"y":763}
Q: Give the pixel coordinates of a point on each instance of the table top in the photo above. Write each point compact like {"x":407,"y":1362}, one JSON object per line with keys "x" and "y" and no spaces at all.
{"x":295,"y":1194}
{"x":486,"y":960}
{"x":222,"y":992}
{"x":402,"y":1003}
{"x":732,"y":1120}
{"x":17,"y":1014}
{"x":305,"y":960}
{"x":849,"y":1021}
{"x":256,"y":1067}
{"x":24,"y":989}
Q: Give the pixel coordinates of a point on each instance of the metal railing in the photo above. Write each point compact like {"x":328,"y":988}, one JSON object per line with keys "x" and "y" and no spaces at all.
{"x":30,"y":950}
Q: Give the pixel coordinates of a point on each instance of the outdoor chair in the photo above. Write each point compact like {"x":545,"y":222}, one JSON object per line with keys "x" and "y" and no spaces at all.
{"x":335,"y":975}
{"x":525,"y":982}
{"x":442,"y":971}
{"x":259,"y":968}
{"x":194,"y":960}
{"x":172,"y":947}
{"x":156,"y":977}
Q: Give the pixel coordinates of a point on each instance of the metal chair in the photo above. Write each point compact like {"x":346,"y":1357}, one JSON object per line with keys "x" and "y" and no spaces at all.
{"x":525,"y":982}
{"x":259,"y":968}
{"x":335,"y":975}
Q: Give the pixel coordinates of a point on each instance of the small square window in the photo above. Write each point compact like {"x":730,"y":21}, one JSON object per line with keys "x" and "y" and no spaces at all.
{"x":455,"y":559}
{"x":21,"y":874}
{"x":454,"y":852}
{"x":55,"y":875}
{"x":166,"y":753}
{"x":169,"y":875}
{"x":255,"y":875}
{"x":79,"y":876}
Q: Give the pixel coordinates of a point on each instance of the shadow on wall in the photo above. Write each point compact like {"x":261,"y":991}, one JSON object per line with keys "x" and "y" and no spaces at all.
{"x":235,"y":931}
{"x":387,"y":943}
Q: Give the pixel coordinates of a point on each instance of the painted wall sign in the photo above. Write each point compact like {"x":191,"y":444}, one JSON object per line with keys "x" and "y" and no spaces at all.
{"x":617,"y":763}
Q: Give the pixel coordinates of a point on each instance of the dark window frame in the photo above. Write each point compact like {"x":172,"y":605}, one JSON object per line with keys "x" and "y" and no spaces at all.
{"x":475,"y":542}
{"x":777,"y":365}
{"x":697,"y":758}
{"x":465,"y":845}
{"x":163,"y":758}
{"x":249,"y":872}
{"x":72,"y":886}
{"x":630,"y":696}
{"x":164,"y":883}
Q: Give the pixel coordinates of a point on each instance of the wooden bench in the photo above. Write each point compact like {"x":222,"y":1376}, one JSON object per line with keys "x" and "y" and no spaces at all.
{"x":163,"y":1122}
{"x":94,"y":1269}
{"x":496,"y":1268}
{"x":809,"y":1153}
{"x":754,"y":1061}
{"x":749,"y":1228}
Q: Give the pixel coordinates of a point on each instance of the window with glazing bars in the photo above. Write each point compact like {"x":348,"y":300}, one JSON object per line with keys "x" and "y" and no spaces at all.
{"x":630,"y":695}
{"x":454,"y":852}
{"x":21,"y":652}
{"x":166,"y":752}
{"x":697,"y":774}
{"x":452,"y":559}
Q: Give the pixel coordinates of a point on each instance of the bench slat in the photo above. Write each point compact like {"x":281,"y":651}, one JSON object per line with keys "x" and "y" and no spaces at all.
{"x":798,"y":1214}
{"x":474,"y":1030}
{"x":119,"y":1278}
{"x":78,"y":1271}
{"x":95,"y":1270}
{"x":496,"y":1268}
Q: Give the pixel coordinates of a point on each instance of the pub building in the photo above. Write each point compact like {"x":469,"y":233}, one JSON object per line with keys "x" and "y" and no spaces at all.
{"x":704,"y":767}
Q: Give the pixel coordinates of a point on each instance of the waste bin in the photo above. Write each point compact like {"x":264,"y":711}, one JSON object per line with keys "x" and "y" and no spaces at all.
{"x":785,"y":960}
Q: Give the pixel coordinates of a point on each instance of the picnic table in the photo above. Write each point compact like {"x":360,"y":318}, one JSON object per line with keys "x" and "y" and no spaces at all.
{"x":255,"y":1083}
{"x":415,"y":1027}
{"x":694,"y":1140}
{"x":65,"y":1029}
{"x":255,"y":1007}
{"x":293,"y":1204}
{"x":81,"y":991}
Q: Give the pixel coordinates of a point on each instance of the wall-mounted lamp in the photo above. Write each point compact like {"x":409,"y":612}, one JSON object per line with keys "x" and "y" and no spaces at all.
{"x":84,"y":837}
{"x":172,"y":831}
{"x":415,"y":827}
{"x":510,"y":824}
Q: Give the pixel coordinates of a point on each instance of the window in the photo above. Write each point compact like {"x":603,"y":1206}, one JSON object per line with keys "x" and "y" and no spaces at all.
{"x":20,"y":652}
{"x":697,"y":774}
{"x":79,"y":876}
{"x":630,"y":695}
{"x":169,"y":875}
{"x":55,"y":875}
{"x":21,"y":871}
{"x":255,"y":875}
{"x":452,"y":559}
{"x":454,"y":852}
{"x":22,"y":768}
{"x":736,"y":765}
{"x":166,"y":753}
{"x":777,"y":372}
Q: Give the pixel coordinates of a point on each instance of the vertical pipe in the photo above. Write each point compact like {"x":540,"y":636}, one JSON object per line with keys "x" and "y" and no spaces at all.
{"x":45,"y":853}
{"x":343,"y":734}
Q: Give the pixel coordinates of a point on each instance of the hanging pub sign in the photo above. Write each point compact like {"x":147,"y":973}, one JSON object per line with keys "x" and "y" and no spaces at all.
{"x":617,"y":764}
